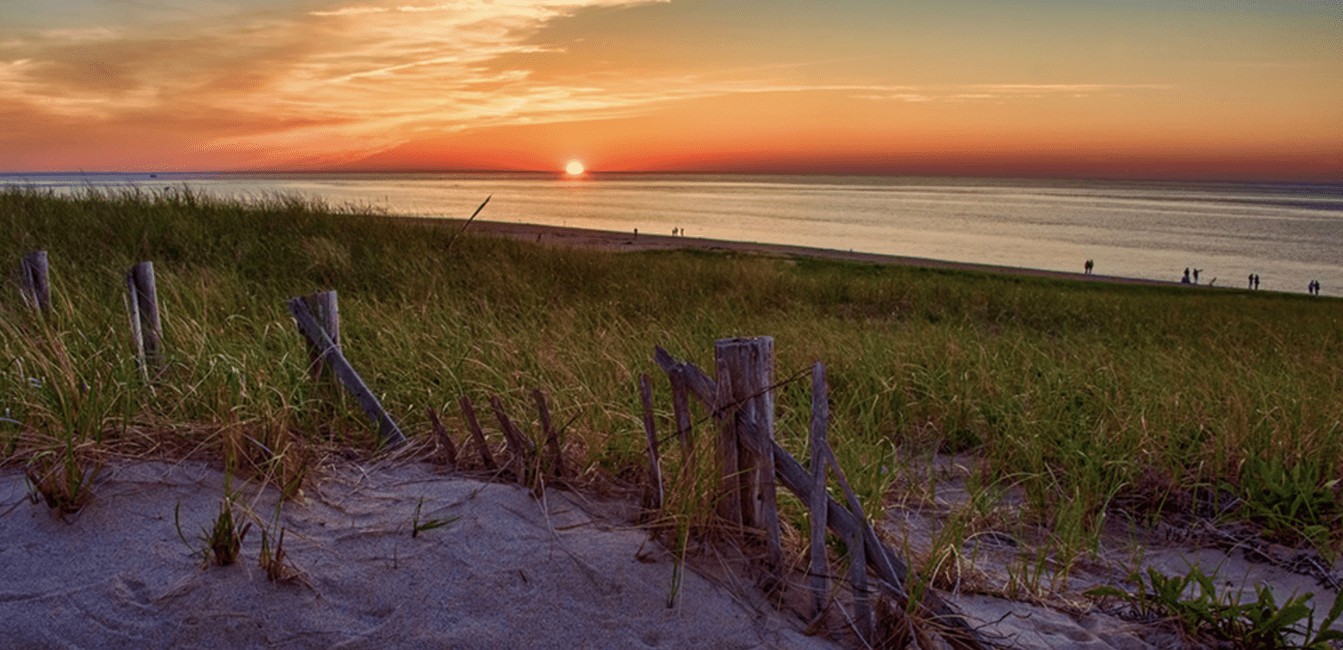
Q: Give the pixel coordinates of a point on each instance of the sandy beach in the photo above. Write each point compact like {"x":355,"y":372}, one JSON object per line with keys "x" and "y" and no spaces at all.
{"x":642,"y":241}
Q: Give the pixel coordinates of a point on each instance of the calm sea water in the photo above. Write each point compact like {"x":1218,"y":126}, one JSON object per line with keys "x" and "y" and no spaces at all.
{"x":1289,"y":234}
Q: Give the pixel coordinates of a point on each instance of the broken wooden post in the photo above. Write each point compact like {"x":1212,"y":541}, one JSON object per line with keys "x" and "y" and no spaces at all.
{"x":746,"y":394}
{"x":325,"y":309}
{"x":36,"y":286}
{"x":447,"y":451}
{"x":553,"y":442}
{"x":332,"y":356}
{"x":146,"y":329}
{"x":820,"y":414}
{"x":654,"y":498}
{"x":483,"y":448}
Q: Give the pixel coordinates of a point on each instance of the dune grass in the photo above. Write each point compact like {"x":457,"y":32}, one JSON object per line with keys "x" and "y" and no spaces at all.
{"x":1089,"y":400}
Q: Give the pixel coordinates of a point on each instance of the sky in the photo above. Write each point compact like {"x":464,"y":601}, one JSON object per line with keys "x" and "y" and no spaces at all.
{"x":1182,"y":89}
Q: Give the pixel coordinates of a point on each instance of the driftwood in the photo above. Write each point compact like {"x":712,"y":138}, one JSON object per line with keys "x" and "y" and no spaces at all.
{"x":146,"y":328}
{"x":891,"y":572}
{"x":447,"y":450}
{"x":332,"y":356}
{"x":472,"y":424}
{"x":36,"y":286}
{"x":653,"y":499}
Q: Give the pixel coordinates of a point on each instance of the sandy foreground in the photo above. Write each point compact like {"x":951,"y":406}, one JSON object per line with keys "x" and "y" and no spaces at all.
{"x":515,"y":571}
{"x":509,"y":571}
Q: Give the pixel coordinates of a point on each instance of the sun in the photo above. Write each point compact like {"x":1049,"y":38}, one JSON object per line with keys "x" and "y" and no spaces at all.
{"x":574,"y":168}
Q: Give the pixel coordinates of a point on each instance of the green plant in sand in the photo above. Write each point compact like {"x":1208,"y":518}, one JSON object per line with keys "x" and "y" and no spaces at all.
{"x":1290,"y":503}
{"x":222,"y":542}
{"x":1193,"y":602}
{"x":418,"y":526}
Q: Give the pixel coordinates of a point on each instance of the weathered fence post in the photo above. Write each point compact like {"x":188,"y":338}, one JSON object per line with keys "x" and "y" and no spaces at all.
{"x":447,"y":451}
{"x":553,"y":442}
{"x":654,"y":497}
{"x":820,"y":415}
{"x":482,"y":447}
{"x":681,"y":409}
{"x":332,"y":356}
{"x":746,"y":395}
{"x":325,"y":309}
{"x":146,"y":330}
{"x":521,"y":447}
{"x":36,"y":287}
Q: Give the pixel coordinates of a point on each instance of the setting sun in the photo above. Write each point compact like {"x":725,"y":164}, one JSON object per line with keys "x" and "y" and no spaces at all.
{"x":574,"y":168}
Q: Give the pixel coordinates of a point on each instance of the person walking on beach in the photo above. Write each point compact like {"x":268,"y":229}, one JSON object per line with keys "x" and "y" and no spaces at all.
{"x":1185,"y":279}
{"x":1196,"y":275}
{"x":1251,"y":281}
{"x":1088,"y":266}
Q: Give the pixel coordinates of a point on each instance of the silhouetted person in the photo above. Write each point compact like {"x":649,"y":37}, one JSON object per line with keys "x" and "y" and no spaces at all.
{"x":1256,"y":281}
{"x":1185,"y":279}
{"x":1196,"y":275}
{"x":1089,"y":265}
{"x":1251,"y":285}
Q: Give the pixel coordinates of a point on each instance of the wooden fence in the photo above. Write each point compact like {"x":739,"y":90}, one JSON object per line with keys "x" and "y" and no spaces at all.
{"x":740,"y":399}
{"x":741,"y":402}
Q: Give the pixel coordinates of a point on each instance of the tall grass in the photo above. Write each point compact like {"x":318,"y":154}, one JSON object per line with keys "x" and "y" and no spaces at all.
{"x":1083,"y":395}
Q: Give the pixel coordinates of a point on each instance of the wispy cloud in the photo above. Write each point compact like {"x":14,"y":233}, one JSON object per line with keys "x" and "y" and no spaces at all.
{"x":351,"y":79}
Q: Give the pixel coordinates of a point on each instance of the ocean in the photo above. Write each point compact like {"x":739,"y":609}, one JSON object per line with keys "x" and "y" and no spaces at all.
{"x":1288,"y":234}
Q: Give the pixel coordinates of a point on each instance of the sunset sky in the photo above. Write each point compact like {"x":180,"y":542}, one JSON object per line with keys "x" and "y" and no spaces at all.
{"x":1213,"y":89}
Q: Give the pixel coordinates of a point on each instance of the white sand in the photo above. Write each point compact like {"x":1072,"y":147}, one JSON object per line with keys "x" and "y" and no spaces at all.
{"x":512,"y":572}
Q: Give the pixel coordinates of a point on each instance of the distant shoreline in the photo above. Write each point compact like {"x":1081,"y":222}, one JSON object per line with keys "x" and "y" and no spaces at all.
{"x":622,"y":241}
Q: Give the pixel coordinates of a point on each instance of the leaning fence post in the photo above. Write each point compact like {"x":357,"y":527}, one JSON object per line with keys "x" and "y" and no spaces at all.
{"x":745,"y":394}
{"x":654,"y":498}
{"x":818,"y":505}
{"x":36,"y":287}
{"x":146,"y":329}
{"x":325,"y":309}
{"x":331,"y":354}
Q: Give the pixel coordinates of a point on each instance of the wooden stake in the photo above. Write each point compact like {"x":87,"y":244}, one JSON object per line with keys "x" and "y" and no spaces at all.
{"x":325,"y":309}
{"x":553,"y":442}
{"x":654,"y":499}
{"x":446,"y":448}
{"x":517,"y":443}
{"x":681,"y":409}
{"x":820,"y":415}
{"x":483,"y":448}
{"x":332,"y":356}
{"x":746,"y":393}
{"x":146,"y":330}
{"x":862,"y":610}
{"x":36,"y":287}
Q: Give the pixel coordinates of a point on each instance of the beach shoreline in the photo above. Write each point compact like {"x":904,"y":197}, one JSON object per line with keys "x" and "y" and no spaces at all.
{"x":640,"y":241}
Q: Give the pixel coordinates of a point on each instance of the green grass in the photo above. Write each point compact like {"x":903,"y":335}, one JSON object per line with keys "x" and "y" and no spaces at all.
{"x":1084,"y":396}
